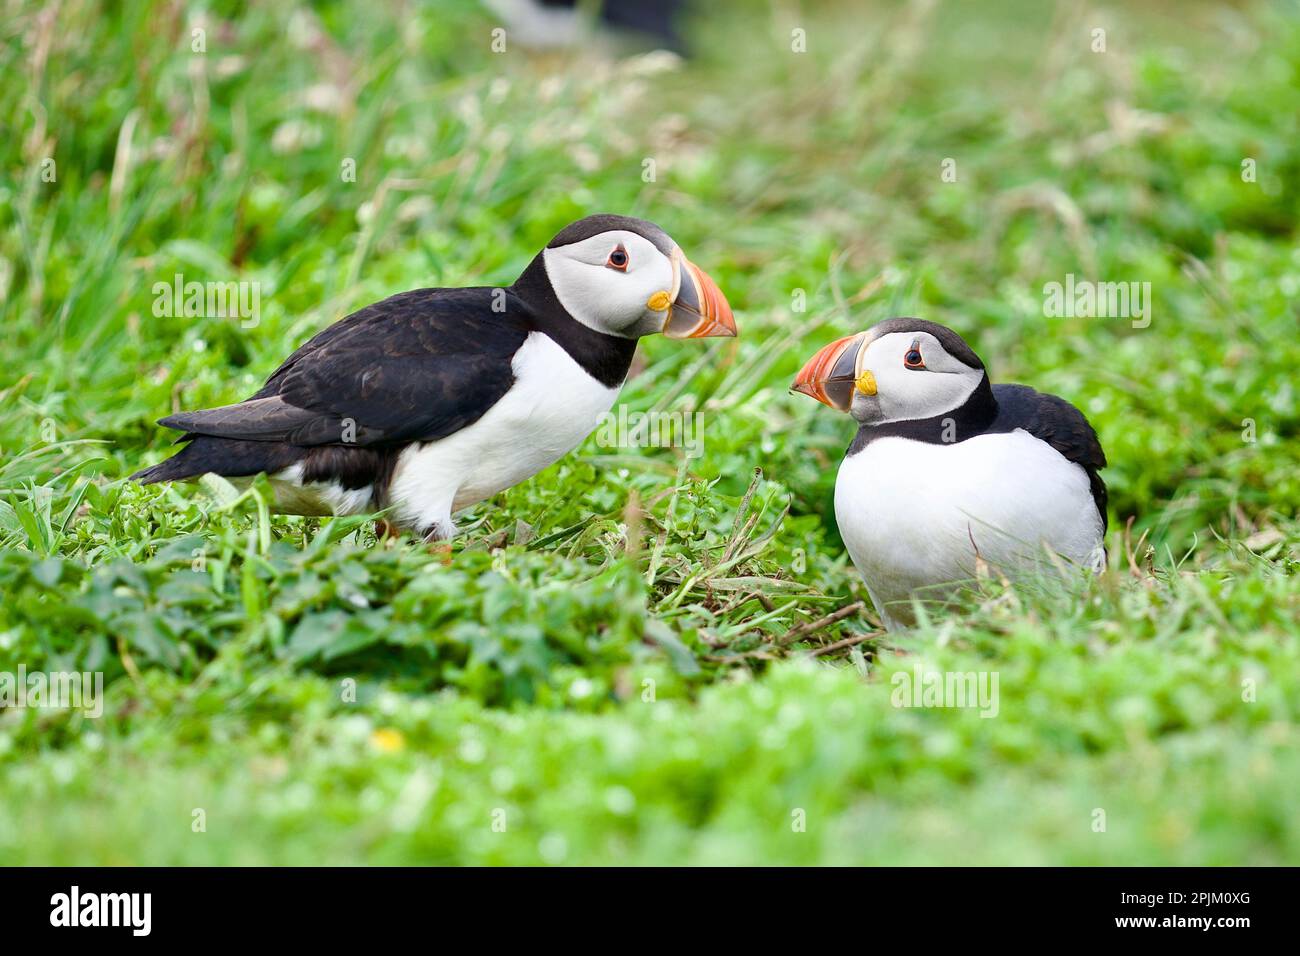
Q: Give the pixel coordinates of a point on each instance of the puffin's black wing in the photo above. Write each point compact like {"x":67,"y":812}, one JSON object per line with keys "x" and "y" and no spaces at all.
{"x":1057,"y":422}
{"x":415,"y":367}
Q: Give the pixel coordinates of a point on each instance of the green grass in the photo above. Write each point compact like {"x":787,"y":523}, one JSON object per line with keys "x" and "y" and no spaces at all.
{"x":607,"y":661}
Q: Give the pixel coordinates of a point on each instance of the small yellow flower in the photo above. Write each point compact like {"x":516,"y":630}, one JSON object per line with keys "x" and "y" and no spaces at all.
{"x":388,"y":740}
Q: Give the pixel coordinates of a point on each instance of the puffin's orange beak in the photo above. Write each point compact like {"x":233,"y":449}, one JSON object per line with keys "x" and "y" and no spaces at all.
{"x":700,"y":310}
{"x":831,"y":375}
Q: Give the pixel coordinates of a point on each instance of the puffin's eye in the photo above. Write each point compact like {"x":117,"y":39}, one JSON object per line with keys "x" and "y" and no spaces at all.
{"x":617,"y":259}
{"x":913,"y":358}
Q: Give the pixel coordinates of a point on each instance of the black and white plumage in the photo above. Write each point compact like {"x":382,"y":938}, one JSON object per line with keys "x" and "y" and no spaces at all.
{"x":947,"y":469}
{"x":433,"y":400}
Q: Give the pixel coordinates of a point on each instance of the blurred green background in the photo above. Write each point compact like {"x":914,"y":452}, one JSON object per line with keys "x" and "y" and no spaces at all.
{"x":607,"y":668}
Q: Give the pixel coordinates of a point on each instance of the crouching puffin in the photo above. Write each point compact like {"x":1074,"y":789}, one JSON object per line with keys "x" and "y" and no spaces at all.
{"x":947,"y":470}
{"x":433,"y":400}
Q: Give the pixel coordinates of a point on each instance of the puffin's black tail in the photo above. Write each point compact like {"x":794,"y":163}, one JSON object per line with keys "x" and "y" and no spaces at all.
{"x":230,"y":457}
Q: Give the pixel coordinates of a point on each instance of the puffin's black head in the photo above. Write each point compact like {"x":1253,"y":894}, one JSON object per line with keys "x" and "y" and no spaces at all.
{"x":899,"y":370}
{"x":626,"y":277}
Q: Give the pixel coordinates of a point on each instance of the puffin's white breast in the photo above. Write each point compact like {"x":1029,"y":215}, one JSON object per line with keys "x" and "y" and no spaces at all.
{"x":552,"y":406}
{"x":914,"y":514}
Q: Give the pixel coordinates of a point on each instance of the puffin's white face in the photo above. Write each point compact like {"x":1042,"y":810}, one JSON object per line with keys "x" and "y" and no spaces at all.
{"x":890,"y":376}
{"x":915,"y":378}
{"x":620,"y":283}
{"x":606,"y":282}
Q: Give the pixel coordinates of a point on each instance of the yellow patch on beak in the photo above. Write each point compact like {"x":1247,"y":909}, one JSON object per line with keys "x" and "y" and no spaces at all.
{"x":866,"y":383}
{"x":659,"y":302}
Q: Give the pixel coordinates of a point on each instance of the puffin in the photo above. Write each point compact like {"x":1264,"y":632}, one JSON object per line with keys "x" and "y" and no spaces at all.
{"x":948,"y":470}
{"x":433,"y":400}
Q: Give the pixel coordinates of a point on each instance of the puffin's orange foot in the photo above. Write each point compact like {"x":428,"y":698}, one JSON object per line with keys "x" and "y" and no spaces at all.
{"x":439,"y":543}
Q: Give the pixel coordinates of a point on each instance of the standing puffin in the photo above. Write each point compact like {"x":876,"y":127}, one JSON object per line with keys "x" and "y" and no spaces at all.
{"x":433,"y":400}
{"x":947,"y":469}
